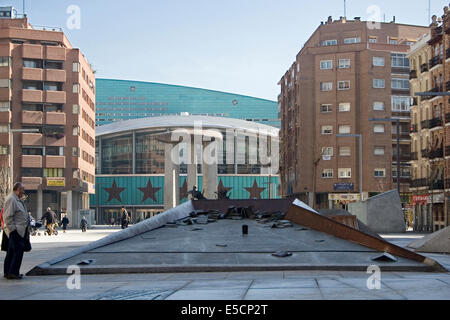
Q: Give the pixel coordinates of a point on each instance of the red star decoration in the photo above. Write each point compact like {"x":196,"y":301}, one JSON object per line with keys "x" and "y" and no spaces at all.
{"x":222,"y":187}
{"x":149,"y":191}
{"x":255,"y":191}
{"x":184,"y":190}
{"x":114,"y":192}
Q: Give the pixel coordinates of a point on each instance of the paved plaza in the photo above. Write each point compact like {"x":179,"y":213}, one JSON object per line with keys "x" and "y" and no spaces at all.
{"x":218,"y":285}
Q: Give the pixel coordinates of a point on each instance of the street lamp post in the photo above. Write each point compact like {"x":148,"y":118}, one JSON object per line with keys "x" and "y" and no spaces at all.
{"x":360,"y":158}
{"x":11,"y":132}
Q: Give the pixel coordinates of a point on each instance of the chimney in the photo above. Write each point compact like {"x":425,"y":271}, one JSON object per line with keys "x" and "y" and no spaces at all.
{"x":330,"y":20}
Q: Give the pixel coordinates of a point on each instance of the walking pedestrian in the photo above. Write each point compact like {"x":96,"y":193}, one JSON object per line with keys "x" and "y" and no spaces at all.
{"x":65,"y":222}
{"x":16,"y":226}
{"x":124,"y":218}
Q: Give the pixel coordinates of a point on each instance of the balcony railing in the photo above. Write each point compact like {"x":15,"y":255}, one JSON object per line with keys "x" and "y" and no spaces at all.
{"x":437,"y":185}
{"x":435,"y":61}
{"x":425,"y":153}
{"x":424,"y":67}
{"x":413,"y":74}
{"x":437,"y":89}
{"x":425,"y":124}
{"x":435,"y":122}
{"x":438,"y":153}
{"x":417,"y":183}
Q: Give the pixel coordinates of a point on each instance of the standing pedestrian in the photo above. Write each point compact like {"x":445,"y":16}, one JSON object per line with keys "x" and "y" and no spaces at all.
{"x":124,"y":218}
{"x":17,"y":223}
{"x":65,"y":222}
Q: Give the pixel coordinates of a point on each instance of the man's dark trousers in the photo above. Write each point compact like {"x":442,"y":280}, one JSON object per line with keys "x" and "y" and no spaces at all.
{"x":14,"y":256}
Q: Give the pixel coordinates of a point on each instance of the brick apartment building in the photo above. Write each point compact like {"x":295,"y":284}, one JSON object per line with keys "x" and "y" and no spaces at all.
{"x":47,"y":87}
{"x":348,"y":74}
{"x":430,"y":127}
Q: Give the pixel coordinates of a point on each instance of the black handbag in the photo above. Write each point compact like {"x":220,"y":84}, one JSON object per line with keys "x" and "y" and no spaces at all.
{"x":27,"y":243}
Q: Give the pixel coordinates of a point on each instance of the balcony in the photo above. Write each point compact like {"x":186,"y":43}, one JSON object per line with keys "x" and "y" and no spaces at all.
{"x":55,"y":75}
{"x":413,"y":128}
{"x":412,"y":74}
{"x":425,"y":124}
{"x":55,"y":96}
{"x":4,"y":139}
{"x":33,"y":74}
{"x":5,"y":94}
{"x":32,"y":139}
{"x":417,"y":183}
{"x":435,"y":122}
{"x":438,"y":153}
{"x":425,"y":153}
{"x":55,"y":162}
{"x":32,"y":117}
{"x":55,"y":141}
{"x":437,"y":185}
{"x":435,"y":61}
{"x":424,"y":98}
{"x":32,"y":51}
{"x":424,"y":67}
{"x":32,"y":95}
{"x":55,"y":53}
{"x":5,"y":72}
{"x":5,"y":116}
{"x":31,"y":161}
{"x":55,"y":118}
{"x":31,"y":183}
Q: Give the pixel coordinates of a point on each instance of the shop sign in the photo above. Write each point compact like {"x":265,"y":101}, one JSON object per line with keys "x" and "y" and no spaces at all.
{"x":344,"y":196}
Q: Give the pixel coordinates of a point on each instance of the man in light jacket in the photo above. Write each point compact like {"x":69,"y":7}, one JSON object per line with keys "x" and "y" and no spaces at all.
{"x":17,"y":222}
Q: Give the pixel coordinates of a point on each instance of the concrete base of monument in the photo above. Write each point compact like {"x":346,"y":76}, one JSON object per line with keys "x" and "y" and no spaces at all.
{"x":158,"y":245}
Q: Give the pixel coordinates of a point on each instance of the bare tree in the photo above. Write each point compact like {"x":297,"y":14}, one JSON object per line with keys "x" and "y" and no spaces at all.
{"x":5,"y":184}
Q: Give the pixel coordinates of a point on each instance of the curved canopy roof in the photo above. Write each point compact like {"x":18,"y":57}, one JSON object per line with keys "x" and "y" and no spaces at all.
{"x":187,"y":121}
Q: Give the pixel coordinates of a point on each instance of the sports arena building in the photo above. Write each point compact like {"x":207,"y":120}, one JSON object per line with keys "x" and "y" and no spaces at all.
{"x":150,"y":164}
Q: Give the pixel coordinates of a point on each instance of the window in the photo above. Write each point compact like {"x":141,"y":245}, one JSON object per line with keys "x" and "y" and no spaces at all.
{"x":54,"y":151}
{"x":378,"y":106}
{"x":5,"y":61}
{"x":53,"y":173}
{"x":401,"y":103}
{"x":345,"y":151}
{"x":4,"y":150}
{"x":344,"y":63}
{"x":326,"y":86}
{"x":75,"y":67}
{"x":75,"y":151}
{"x":378,"y":61}
{"x":344,"y":129}
{"x":326,"y":43}
{"x":5,"y":106}
{"x":398,"y":83}
{"x":5,"y":83}
{"x":344,"y":107}
{"x":31,"y":172}
{"x":352,"y":40}
{"x":76,"y":130}
{"x":378,"y":83}
{"x":378,"y":128}
{"x":28,"y":63}
{"x":392,"y":40}
{"x":52,"y":86}
{"x":399,"y":60}
{"x":326,"y":108}
{"x":75,"y":109}
{"x":76,"y":88}
{"x":326,"y":129}
{"x":345,"y":173}
{"x":326,"y":64}
{"x":372,"y":39}
{"x":380,"y":173}
{"x":327,"y":151}
{"x":378,"y":151}
{"x":327,"y":173}
{"x":344,"y":85}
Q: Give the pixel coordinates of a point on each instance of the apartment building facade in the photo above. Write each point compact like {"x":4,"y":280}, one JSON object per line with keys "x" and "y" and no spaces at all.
{"x":348,"y":80}
{"x":47,"y":109}
{"x":430,"y":127}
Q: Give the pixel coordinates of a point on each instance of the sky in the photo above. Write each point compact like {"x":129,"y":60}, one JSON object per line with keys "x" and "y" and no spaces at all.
{"x":238,"y":46}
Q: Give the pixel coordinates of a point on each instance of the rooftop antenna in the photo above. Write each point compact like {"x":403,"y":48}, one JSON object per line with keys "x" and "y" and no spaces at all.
{"x":345,"y":8}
